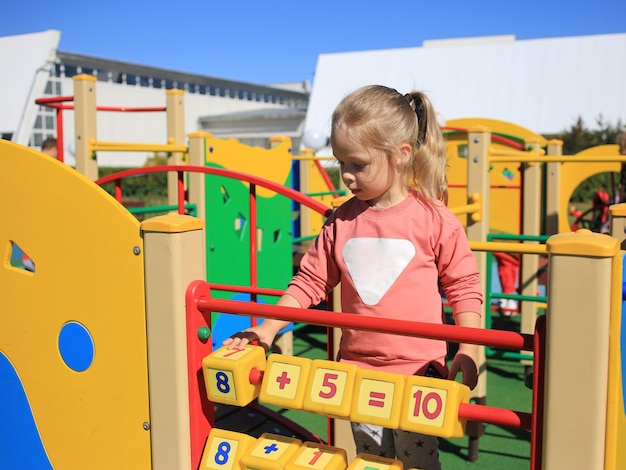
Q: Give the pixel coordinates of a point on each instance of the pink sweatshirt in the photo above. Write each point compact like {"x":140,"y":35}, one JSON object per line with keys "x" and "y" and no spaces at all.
{"x":390,"y":263}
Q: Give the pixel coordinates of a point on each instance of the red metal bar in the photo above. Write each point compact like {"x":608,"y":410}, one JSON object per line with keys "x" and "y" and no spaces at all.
{"x":498,"y":416}
{"x":123,"y":109}
{"x":118,"y":191}
{"x":48,"y":100}
{"x":539,"y":367}
{"x":60,"y":141}
{"x":498,"y":339}
{"x":325,"y":177}
{"x":201,"y":411}
{"x":254,"y":280}
{"x":181,"y":192}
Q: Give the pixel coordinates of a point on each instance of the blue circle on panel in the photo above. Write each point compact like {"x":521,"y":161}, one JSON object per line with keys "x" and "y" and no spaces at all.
{"x":76,"y":346}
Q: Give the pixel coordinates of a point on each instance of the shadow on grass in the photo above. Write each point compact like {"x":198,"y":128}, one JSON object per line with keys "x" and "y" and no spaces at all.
{"x":497,"y":442}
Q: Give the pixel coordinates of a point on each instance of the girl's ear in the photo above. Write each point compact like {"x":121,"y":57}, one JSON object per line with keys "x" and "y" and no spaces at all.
{"x":405,"y":153}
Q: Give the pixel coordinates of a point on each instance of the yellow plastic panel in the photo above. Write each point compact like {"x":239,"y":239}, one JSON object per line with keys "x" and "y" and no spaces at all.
{"x":273,"y":164}
{"x":89,"y":279}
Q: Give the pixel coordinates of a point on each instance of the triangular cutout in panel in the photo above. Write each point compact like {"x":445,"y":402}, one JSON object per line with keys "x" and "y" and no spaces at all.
{"x":20,"y":259}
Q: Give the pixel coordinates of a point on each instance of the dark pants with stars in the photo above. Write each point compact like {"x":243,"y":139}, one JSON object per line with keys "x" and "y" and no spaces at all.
{"x":412,"y":449}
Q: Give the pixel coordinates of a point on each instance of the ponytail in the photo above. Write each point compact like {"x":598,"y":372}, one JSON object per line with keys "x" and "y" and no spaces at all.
{"x":429,"y":165}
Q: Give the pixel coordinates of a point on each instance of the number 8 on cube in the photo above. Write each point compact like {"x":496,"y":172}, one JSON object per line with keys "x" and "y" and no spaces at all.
{"x":224,"y":449}
{"x":228,"y":374}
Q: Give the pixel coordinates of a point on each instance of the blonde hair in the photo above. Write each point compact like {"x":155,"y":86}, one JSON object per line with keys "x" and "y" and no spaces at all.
{"x":380,"y":117}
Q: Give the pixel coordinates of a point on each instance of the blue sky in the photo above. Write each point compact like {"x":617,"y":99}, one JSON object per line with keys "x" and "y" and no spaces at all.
{"x":279,"y":41}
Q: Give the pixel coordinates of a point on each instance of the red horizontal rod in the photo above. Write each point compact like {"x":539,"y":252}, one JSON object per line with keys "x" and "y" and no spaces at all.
{"x":130,"y":110}
{"x":57,"y":100}
{"x":497,"y":416}
{"x":53,"y":99}
{"x":498,"y":339}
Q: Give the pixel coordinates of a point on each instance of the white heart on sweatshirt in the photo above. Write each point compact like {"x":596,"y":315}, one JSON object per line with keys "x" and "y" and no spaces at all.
{"x":374,"y":264}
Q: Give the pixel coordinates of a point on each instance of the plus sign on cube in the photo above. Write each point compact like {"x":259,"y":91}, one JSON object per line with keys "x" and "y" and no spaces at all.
{"x":330,"y":388}
{"x":227,"y":374}
{"x":271,"y":452}
{"x":373,"y":462}
{"x":431,"y":406}
{"x":312,"y":455}
{"x":223,"y":449}
{"x":377,"y":398}
{"x":284,"y":381}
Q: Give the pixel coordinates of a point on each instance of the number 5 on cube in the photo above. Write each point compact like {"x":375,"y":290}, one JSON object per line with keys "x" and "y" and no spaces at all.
{"x":330,"y":387}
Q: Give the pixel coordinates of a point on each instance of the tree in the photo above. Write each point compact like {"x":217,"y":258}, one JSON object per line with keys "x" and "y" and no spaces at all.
{"x":578,"y":138}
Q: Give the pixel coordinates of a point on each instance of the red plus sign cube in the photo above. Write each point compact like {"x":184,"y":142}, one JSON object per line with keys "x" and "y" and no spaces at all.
{"x":285,"y":381}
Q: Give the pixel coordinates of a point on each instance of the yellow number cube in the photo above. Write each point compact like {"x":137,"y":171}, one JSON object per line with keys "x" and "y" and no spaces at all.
{"x":330,"y":388}
{"x":227,"y":374}
{"x":377,"y":398}
{"x":431,"y":406}
{"x":271,"y":452}
{"x":373,"y":462}
{"x":223,"y":449}
{"x":284,"y":381}
{"x":313,"y":455}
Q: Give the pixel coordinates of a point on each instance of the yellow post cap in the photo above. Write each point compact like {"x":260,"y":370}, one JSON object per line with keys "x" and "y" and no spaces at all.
{"x":172,"y":223}
{"x":583,"y":242}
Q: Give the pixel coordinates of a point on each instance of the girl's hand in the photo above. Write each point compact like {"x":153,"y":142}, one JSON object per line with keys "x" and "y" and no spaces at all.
{"x":264,"y":334}
{"x":465,"y":361}
{"x":240,"y":339}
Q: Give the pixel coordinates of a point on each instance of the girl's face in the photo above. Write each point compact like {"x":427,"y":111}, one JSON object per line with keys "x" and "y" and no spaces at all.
{"x":369,"y":174}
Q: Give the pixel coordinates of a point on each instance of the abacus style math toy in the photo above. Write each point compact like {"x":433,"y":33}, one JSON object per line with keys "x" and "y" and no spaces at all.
{"x":418,"y":404}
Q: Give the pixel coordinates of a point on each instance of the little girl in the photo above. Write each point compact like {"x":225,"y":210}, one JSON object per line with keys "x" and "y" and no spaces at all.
{"x":393,"y":247}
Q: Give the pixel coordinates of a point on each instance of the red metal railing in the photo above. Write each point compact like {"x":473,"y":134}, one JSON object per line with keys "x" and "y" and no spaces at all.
{"x":57,"y":102}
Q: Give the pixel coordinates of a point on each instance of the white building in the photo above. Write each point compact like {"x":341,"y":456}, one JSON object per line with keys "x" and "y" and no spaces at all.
{"x":253,"y":113}
{"x":541,"y":84}
{"x":544,"y":85}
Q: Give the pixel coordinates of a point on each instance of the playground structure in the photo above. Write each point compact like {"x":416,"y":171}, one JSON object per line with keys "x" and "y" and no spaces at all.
{"x":162,"y":373}
{"x":146,"y":353}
